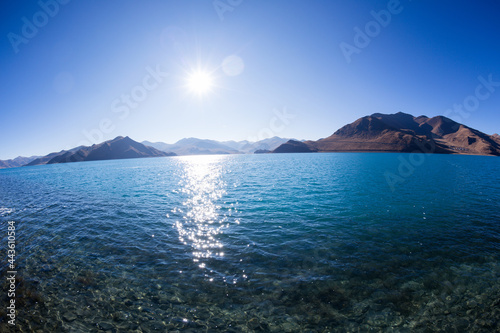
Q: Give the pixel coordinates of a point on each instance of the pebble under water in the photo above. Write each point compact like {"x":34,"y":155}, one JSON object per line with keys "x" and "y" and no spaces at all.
{"x":255,"y":243}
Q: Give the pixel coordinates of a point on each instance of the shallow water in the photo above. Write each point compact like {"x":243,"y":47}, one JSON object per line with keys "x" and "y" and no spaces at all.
{"x":280,"y":243}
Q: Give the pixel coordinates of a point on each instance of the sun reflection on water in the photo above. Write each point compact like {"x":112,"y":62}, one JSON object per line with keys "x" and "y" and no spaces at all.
{"x":201,"y":220}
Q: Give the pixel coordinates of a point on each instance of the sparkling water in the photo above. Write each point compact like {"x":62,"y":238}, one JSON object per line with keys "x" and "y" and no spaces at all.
{"x":243,"y":243}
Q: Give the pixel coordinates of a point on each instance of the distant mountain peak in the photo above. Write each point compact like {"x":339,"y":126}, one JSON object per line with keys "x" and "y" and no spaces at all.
{"x":363,"y":127}
{"x":195,"y":146}
{"x":402,"y":132}
{"x":117,"y":148}
{"x":398,"y":114}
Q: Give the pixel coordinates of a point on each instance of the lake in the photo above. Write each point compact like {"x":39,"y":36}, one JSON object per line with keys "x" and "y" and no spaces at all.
{"x":242,"y":243}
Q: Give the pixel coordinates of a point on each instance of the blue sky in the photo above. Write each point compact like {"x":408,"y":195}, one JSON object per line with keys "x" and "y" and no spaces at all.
{"x":77,"y":72}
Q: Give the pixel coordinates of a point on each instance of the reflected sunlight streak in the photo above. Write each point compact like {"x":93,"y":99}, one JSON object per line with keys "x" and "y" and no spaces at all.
{"x":202,"y":223}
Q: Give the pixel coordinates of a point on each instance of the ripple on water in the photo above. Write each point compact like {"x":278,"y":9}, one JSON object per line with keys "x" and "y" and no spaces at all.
{"x":331,"y":250}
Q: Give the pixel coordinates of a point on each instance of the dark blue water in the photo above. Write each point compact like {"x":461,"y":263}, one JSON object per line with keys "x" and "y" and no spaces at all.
{"x":279,"y":243}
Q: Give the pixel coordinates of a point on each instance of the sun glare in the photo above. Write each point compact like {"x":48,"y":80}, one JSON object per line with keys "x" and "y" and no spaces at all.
{"x":200,"y":82}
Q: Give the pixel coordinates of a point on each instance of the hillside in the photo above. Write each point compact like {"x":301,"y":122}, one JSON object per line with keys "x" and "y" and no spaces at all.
{"x":194,"y":146}
{"x":401,"y":132}
{"x":118,"y":148}
{"x":16,"y":162}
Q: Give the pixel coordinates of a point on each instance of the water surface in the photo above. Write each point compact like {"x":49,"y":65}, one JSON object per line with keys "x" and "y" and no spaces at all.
{"x":280,"y":243}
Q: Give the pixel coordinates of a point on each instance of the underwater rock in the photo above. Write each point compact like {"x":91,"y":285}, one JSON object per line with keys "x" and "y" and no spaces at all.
{"x":69,"y":316}
{"x":156,"y":326}
{"x":120,"y":316}
{"x":360,"y":309}
{"x":253,"y":324}
{"x":175,"y":300}
{"x":105,"y":326}
{"x":288,"y":327}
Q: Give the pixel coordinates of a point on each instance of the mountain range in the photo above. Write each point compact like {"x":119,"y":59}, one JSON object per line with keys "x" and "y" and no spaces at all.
{"x":401,"y":132}
{"x":378,"y":132}
{"x":16,"y":162}
{"x":124,"y":147}
{"x":118,"y":148}
{"x":194,"y":146}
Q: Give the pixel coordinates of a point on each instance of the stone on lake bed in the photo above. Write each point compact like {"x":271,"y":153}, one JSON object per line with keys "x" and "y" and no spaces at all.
{"x":288,"y":327}
{"x":162,"y":299}
{"x":47,"y":268}
{"x":176,"y":300}
{"x":157,"y":325}
{"x":105,"y":326}
{"x":253,"y":323}
{"x":69,"y":316}
{"x":120,"y":316}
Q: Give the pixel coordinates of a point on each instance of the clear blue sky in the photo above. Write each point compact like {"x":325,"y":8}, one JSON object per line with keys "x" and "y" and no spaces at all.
{"x":73,"y":73}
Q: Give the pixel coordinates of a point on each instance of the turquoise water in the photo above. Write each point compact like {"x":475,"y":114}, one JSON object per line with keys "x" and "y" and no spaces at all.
{"x":278,"y":243}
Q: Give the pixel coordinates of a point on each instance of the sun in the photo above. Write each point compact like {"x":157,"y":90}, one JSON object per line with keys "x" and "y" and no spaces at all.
{"x":200,"y":82}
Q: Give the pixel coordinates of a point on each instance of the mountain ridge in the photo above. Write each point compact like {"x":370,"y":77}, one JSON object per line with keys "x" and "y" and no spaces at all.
{"x":401,"y":132}
{"x":17,"y":162}
{"x":195,"y":146}
{"x":117,"y":148}
{"x":378,"y":132}
{"x":132,"y":149}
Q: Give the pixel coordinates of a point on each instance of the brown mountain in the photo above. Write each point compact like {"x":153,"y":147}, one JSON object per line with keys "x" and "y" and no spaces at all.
{"x":118,"y":148}
{"x":16,"y":162}
{"x":401,"y":132}
{"x":47,"y":158}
